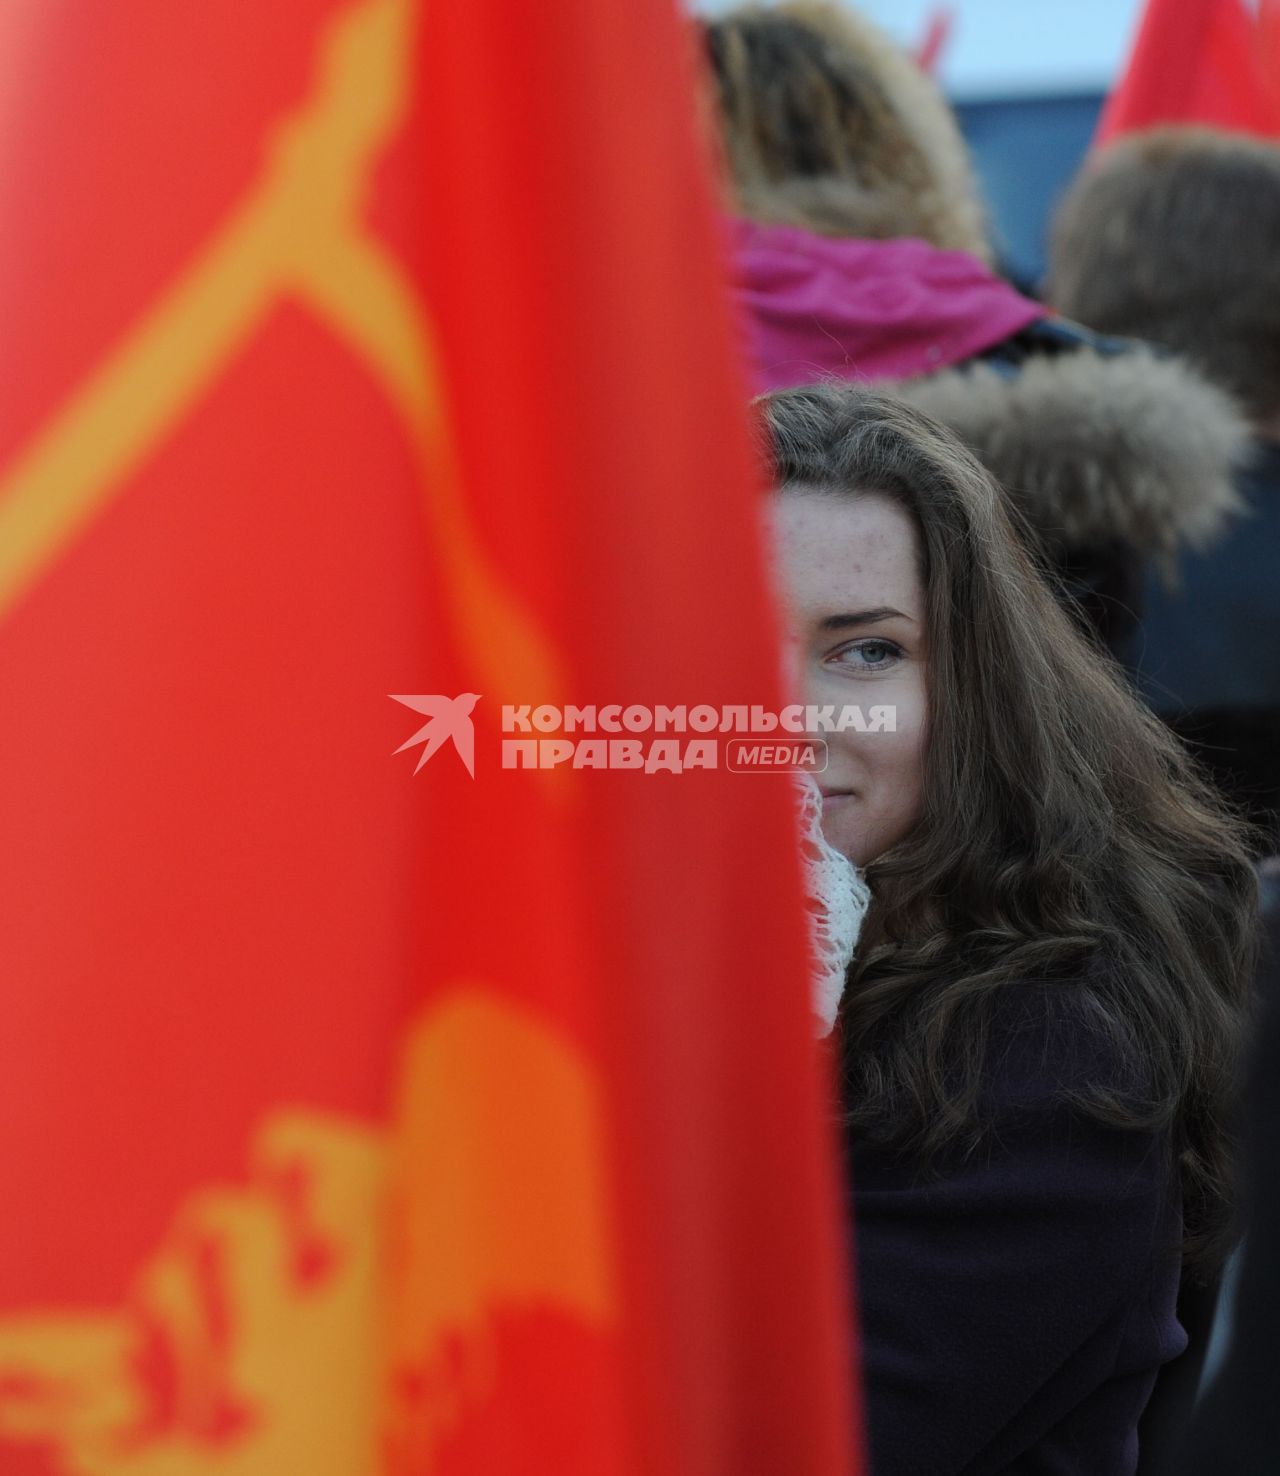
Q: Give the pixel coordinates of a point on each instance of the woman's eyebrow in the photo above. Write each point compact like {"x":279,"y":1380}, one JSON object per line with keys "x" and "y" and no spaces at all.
{"x":862,"y":617}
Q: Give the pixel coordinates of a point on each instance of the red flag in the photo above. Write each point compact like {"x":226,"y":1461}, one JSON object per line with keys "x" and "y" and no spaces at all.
{"x":370,"y":1110}
{"x":1269,"y":40}
{"x":1193,"y":61}
{"x":929,"y":51}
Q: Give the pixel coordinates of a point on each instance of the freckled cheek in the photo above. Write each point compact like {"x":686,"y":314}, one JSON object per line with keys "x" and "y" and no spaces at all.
{"x":910,"y":756}
{"x":896,"y":758}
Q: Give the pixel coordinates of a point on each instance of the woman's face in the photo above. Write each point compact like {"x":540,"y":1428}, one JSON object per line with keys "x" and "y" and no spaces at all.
{"x":855,"y":622}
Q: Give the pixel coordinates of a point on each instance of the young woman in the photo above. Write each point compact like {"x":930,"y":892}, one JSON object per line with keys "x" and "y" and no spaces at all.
{"x":1039,"y":1030}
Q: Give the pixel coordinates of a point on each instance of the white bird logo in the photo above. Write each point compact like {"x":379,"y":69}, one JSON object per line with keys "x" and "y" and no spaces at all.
{"x":447,"y":717}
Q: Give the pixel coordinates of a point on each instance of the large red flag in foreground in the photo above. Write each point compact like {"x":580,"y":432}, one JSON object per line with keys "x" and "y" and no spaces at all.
{"x":1195,"y":61}
{"x":355,"y":1119}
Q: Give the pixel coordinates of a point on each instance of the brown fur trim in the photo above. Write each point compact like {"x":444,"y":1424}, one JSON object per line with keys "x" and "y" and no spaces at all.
{"x":1096,"y":448}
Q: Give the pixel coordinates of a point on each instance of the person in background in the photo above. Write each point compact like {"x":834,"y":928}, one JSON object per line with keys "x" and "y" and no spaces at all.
{"x":1173,"y":235}
{"x":861,"y":252}
{"x":1039,"y":1031}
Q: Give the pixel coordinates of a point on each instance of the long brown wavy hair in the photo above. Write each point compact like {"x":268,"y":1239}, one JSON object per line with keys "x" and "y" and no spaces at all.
{"x":1064,"y":836}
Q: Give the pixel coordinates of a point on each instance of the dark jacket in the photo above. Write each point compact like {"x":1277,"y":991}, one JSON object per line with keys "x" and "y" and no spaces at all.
{"x":1235,"y":1430}
{"x":1017,"y":1304}
{"x":1208,"y":654}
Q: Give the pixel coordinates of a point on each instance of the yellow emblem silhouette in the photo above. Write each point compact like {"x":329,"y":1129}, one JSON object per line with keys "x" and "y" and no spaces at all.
{"x":248,"y":1345}
{"x":501,"y":1201}
{"x":263,"y":1335}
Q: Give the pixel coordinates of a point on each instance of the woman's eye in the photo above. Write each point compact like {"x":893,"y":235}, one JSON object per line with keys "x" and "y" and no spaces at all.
{"x":868,"y":655}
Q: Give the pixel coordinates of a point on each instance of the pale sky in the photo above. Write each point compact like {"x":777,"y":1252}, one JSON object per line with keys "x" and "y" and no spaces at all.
{"x":1003,"y":47}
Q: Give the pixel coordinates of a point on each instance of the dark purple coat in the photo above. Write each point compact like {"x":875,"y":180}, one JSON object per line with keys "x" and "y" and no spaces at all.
{"x":1016,"y":1306}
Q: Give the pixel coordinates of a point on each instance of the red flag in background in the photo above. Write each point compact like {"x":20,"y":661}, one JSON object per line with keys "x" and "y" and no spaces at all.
{"x":933,"y":44}
{"x":1194,"y":61}
{"x":355,"y":1119}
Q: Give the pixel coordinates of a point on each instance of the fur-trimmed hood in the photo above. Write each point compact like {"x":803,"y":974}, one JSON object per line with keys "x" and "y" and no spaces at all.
{"x":1098,"y":447}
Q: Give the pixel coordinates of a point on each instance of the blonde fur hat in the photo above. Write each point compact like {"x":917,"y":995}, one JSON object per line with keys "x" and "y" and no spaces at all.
{"x":829,"y":126}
